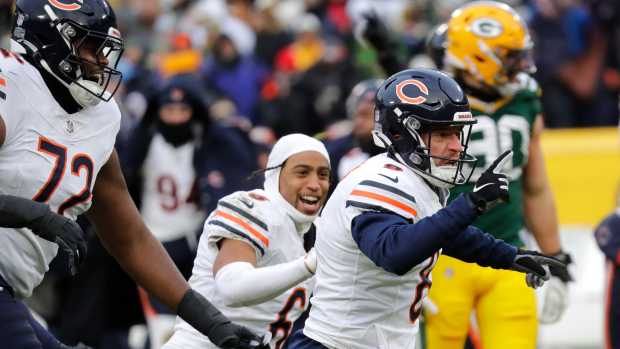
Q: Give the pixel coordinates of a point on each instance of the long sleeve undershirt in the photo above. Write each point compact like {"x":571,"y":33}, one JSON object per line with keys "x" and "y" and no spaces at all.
{"x":397,"y":245}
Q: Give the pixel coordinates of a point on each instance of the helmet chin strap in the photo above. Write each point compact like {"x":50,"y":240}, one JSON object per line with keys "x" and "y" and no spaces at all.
{"x":79,"y":93}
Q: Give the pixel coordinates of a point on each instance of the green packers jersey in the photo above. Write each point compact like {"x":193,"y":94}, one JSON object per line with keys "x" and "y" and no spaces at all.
{"x":504,"y":125}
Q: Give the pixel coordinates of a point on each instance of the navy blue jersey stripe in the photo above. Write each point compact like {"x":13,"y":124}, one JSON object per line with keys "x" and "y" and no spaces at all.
{"x":388,"y":188}
{"x":238,"y":232}
{"x":244,"y":214}
{"x":366,"y":206}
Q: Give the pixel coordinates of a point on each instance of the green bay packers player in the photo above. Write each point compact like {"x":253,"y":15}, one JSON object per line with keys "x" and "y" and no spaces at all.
{"x":487,"y":49}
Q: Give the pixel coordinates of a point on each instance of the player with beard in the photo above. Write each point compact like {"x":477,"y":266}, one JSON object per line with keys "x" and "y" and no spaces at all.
{"x":386,"y":223}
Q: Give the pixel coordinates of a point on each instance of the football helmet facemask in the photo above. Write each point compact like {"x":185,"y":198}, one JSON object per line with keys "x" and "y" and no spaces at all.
{"x":489,"y":43}
{"x":414,"y":102}
{"x":76,"y":42}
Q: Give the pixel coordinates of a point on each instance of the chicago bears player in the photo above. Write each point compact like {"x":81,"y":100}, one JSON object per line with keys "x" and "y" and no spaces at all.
{"x":384,"y":226}
{"x":251,"y":257}
{"x":487,"y":48}
{"x":57,"y":160}
{"x":607,"y":235}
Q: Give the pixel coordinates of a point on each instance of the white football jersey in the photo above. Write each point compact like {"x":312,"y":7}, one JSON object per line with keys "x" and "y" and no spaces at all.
{"x":251,"y":217}
{"x":48,"y":156}
{"x":350,"y":161}
{"x":169,"y":177}
{"x":355,"y":303}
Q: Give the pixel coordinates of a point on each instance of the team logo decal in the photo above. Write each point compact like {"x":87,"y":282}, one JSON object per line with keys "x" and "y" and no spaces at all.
{"x":73,"y":6}
{"x":487,"y":28}
{"x":405,"y":98}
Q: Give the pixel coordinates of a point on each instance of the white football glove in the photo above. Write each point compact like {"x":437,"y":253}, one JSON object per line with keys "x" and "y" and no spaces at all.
{"x":554,"y":301}
{"x":310,"y":261}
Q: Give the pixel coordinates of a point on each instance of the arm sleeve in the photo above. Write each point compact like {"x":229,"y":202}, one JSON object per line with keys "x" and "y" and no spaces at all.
{"x":396,"y":245}
{"x":241,"y":284}
{"x":473,"y":245}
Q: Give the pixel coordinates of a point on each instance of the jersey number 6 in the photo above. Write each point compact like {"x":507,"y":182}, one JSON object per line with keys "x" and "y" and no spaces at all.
{"x":425,"y":283}
{"x":282,"y":323}
{"x":79,"y":161}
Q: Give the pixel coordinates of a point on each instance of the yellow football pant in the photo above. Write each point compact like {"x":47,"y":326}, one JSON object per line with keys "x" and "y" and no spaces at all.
{"x":505,"y":307}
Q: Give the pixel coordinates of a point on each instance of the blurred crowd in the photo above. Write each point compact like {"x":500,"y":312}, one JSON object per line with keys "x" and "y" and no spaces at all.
{"x":287,"y":66}
{"x":229,"y":77}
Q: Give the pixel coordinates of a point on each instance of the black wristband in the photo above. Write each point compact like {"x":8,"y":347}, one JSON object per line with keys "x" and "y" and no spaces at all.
{"x":197,"y":311}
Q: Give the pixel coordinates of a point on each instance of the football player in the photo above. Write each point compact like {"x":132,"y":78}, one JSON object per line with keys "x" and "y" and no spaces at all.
{"x":58,"y":125}
{"x":487,"y":48}
{"x":251,"y":258}
{"x":608,"y":239}
{"x":349,"y":151}
{"x":386,"y":223}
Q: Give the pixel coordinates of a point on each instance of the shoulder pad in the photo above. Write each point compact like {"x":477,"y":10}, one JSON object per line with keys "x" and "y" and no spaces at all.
{"x":241,"y":214}
{"x":385,"y":190}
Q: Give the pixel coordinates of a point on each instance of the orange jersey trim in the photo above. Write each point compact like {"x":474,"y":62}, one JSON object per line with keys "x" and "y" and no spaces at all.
{"x":385,"y":199}
{"x":247,"y":227}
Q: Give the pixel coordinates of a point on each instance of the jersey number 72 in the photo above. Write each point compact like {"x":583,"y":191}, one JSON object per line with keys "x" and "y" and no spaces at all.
{"x":78,"y":162}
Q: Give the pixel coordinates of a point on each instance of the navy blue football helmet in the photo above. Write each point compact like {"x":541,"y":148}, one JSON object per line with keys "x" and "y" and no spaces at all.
{"x":77,"y":41}
{"x":418,"y":101}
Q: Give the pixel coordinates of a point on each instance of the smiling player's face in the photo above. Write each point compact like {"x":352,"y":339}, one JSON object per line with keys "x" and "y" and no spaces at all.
{"x":304,"y":181}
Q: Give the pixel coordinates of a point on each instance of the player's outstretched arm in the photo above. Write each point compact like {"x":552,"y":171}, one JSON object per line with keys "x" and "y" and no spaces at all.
{"x":127,"y":238}
{"x":241,"y":283}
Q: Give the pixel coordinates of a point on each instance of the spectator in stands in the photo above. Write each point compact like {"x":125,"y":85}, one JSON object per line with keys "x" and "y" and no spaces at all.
{"x":568,"y":45}
{"x":349,"y":151}
{"x":231,"y":71}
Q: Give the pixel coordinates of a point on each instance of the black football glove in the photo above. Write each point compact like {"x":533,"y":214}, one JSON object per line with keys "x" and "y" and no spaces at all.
{"x":562,"y":273}
{"x":492,"y":186}
{"x":243,"y":338}
{"x":533,"y":265}
{"x":375,"y":31}
{"x":17,"y":212}
{"x":206,"y":318}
